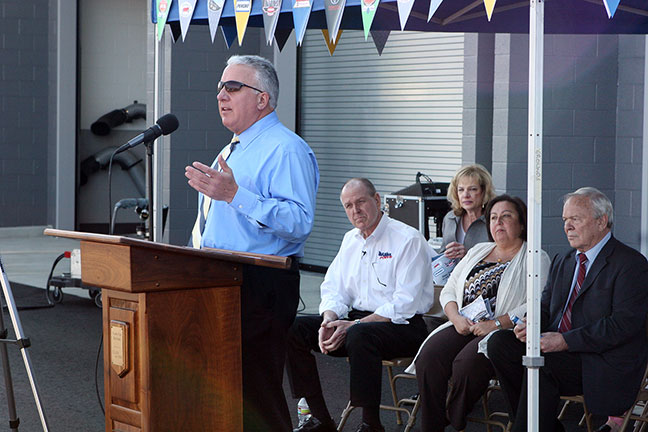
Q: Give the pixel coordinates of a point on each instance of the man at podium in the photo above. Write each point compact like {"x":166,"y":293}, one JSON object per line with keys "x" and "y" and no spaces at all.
{"x":258,"y":196}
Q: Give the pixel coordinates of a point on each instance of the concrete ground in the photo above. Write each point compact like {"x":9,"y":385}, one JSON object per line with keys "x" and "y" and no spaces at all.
{"x":65,"y":341}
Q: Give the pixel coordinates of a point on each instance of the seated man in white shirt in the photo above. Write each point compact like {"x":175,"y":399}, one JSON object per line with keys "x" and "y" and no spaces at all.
{"x":373,"y":297}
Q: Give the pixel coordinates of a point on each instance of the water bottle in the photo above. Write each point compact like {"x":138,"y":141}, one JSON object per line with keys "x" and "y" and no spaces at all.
{"x":303,"y":412}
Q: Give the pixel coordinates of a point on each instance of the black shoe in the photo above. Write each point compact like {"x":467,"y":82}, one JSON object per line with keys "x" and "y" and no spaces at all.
{"x":314,"y":425}
{"x":364,"y":427}
{"x":604,"y":428}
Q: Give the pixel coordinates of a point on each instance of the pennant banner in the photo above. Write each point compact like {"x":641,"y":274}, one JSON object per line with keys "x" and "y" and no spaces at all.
{"x":242,"y":10}
{"x":271,"y":11}
{"x":174,"y":26}
{"x":489,"y":5}
{"x":330,"y":43}
{"x":301,"y":12}
{"x":162,"y":7}
{"x":229,"y":34}
{"x":186,"y":10}
{"x":380,"y":39}
{"x":404,"y":9}
{"x":334,"y":10}
{"x":281,"y":36}
{"x":434,"y":5}
{"x":214,"y":11}
{"x":368,"y":10}
{"x":611,"y":7}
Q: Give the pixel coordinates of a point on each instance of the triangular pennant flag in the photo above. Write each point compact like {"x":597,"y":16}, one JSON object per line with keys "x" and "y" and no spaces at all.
{"x":174,"y":26}
{"x":380,"y":39}
{"x":330,"y":43}
{"x":434,"y":5}
{"x":185,"y":10}
{"x":334,"y":10}
{"x":281,"y":37}
{"x":490,"y":5}
{"x":368,"y":9}
{"x":162,"y":7}
{"x":301,"y":12}
{"x":404,"y":9}
{"x":229,"y":33}
{"x":242,"y":10}
{"x":611,"y":7}
{"x":271,"y":10}
{"x":214,"y":11}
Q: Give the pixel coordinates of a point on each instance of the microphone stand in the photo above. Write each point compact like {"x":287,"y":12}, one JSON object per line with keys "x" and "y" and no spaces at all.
{"x":149,"y":186}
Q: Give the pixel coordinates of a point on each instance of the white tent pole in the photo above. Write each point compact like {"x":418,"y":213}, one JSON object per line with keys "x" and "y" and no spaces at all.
{"x":156,"y":212}
{"x":533,"y":360}
{"x":644,"y":159}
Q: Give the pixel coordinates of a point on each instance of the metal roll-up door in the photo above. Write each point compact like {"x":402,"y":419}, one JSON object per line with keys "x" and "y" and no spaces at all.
{"x":381,"y":117}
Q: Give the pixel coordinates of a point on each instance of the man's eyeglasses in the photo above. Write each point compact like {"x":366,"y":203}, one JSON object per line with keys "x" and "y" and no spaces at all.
{"x":234,"y":86}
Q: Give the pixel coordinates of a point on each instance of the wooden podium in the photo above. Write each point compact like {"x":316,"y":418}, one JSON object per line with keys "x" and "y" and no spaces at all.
{"x":171,"y":331}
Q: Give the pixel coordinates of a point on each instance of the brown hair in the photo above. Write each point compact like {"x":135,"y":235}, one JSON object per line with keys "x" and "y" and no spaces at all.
{"x":520,"y":208}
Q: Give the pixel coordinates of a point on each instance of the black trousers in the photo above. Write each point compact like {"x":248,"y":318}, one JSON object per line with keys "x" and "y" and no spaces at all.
{"x":269,"y":299}
{"x":366,"y":345}
{"x":560,"y":376}
{"x":450,"y":358}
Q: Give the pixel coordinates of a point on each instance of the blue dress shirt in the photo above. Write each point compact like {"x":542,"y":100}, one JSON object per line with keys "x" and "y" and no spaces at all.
{"x":274,"y":207}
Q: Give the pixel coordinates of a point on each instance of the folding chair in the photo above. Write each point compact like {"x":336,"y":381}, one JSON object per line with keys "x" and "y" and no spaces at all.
{"x":433,"y":318}
{"x":397,"y":403}
{"x":587,"y":416}
{"x":490,"y":418}
{"x":639,"y":410}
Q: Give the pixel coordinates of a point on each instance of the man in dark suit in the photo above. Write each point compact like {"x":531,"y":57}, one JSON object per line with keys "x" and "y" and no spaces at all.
{"x":593,"y":319}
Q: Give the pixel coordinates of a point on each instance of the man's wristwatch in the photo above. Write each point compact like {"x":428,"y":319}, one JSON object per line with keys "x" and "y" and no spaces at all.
{"x":498,"y":324}
{"x":357,"y":321}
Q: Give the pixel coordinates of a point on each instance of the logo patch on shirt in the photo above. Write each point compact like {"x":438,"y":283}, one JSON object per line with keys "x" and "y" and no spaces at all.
{"x":384,"y":255}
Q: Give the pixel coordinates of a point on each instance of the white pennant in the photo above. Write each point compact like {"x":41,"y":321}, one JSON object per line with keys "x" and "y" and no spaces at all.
{"x":185,"y":10}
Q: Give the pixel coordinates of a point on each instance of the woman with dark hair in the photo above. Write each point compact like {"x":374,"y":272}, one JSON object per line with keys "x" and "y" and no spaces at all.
{"x":464,"y":225}
{"x":454,"y":354}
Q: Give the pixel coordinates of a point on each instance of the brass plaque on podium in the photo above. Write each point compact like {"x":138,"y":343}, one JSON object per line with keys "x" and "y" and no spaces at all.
{"x":119,"y":347}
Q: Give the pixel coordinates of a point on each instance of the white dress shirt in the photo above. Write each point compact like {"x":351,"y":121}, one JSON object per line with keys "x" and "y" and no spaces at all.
{"x":388,"y":273}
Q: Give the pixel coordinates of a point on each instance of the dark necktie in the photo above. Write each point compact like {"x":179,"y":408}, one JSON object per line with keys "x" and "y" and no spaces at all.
{"x":199,"y":225}
{"x":565,"y":322}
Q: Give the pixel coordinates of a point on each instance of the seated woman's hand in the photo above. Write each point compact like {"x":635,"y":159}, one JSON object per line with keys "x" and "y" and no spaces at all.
{"x":462,"y":324}
{"x":455,"y":250}
{"x":482,"y":328}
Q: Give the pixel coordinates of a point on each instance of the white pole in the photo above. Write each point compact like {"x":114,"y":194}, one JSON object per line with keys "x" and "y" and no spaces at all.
{"x":156,"y":211}
{"x":644,"y":159}
{"x":533,"y":360}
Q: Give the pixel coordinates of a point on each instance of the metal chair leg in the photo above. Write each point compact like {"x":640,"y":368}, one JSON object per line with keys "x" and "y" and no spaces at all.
{"x":390,"y":376}
{"x":345,"y":416}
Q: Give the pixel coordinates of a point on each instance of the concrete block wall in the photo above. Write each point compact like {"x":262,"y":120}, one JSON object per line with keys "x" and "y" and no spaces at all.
{"x":196,"y":67}
{"x":510,"y":101}
{"x":629,"y":145}
{"x":477,"y":141}
{"x":580,"y":123}
{"x":588,"y":124}
{"x":23,"y":112}
{"x":51,"y":112}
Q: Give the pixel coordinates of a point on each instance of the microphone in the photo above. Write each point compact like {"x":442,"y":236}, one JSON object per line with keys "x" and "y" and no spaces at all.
{"x":165,"y":125}
{"x":131,"y":202}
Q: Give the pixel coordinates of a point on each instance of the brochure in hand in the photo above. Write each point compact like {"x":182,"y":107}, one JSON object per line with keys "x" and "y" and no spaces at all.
{"x":442,"y":266}
{"x":479,"y":310}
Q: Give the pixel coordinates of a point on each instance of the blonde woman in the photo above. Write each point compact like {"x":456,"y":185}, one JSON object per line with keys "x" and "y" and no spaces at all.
{"x":464,"y":226}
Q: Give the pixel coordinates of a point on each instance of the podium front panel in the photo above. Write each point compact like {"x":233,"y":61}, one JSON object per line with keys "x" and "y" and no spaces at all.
{"x":184,"y":356}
